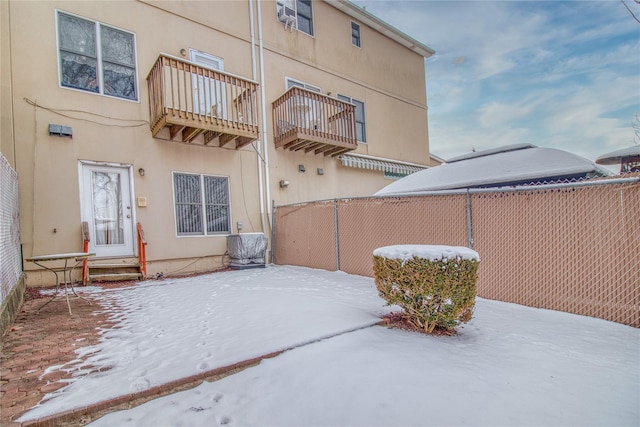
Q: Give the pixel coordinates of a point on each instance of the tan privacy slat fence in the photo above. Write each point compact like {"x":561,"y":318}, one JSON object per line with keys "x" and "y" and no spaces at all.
{"x":574,"y":248}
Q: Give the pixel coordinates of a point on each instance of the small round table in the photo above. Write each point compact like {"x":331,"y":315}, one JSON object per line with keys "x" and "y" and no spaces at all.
{"x":66,"y":272}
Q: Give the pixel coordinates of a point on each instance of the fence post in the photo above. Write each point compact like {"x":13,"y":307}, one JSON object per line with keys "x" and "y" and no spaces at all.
{"x":273,"y":229}
{"x":335,"y":227}
{"x":469,"y":223}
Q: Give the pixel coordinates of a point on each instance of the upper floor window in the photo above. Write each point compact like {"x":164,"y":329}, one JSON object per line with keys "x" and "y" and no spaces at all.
{"x":291,"y":83}
{"x":202,"y":204}
{"x":296,"y":13}
{"x":355,"y":34}
{"x":361,"y":133}
{"x":96,"y":58}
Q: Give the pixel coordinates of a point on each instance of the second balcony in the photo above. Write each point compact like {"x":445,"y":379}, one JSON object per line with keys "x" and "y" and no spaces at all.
{"x":310,"y":121}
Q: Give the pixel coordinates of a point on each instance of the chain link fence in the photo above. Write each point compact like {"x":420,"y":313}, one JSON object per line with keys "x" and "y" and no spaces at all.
{"x":10,"y":257}
{"x":570,"y":247}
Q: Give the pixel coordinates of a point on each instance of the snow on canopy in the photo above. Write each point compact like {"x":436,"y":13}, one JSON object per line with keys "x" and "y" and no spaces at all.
{"x":499,"y":167}
{"x":430,"y":252}
{"x":618,"y":156}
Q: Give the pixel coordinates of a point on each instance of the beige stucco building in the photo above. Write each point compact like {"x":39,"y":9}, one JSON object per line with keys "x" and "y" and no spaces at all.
{"x":193,"y":118}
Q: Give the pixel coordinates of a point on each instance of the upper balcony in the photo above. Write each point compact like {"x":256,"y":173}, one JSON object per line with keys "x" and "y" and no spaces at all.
{"x":187,"y":101}
{"x":310,"y":121}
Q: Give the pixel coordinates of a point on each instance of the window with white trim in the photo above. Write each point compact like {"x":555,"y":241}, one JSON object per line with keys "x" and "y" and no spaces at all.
{"x":95,"y":57}
{"x":296,"y":13}
{"x":355,"y":34}
{"x":291,"y":83}
{"x":202,"y":204}
{"x":361,"y":132}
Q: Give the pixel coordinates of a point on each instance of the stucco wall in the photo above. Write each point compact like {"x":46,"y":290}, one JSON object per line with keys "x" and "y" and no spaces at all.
{"x":386,"y":76}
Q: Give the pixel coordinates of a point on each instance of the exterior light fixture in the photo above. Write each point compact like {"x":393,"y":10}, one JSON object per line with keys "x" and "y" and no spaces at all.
{"x":301,"y":168}
{"x":284,"y":183}
{"x":320,"y":171}
{"x":141,"y":171}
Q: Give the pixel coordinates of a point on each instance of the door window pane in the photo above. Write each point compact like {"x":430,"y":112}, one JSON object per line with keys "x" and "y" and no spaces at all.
{"x":107,"y":209}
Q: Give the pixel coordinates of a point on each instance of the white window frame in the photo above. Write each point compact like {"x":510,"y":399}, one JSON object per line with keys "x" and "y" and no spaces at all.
{"x":99,"y":59}
{"x":359,"y":44}
{"x":364,"y":118}
{"x":289,"y":83}
{"x":287,"y":13}
{"x":203,"y":204}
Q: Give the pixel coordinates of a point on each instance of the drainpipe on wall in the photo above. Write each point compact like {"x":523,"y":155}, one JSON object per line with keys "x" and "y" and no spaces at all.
{"x":264,"y":105}
{"x":258,"y":149}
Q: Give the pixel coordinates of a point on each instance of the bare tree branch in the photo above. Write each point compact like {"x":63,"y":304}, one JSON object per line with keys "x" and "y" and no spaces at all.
{"x":630,"y":11}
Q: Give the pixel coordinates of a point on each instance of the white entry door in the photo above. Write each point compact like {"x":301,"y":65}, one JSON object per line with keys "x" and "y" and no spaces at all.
{"x":106,"y":206}
{"x":209,"y":95}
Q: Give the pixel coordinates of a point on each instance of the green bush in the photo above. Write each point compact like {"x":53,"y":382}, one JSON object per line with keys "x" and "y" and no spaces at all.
{"x":433,"y":293}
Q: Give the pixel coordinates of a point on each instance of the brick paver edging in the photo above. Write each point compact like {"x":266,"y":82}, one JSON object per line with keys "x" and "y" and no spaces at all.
{"x":67,"y":417}
{"x":151,"y":393}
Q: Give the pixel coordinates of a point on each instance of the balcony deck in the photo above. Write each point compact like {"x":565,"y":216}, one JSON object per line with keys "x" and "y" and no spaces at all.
{"x":310,"y":121}
{"x":197,"y":105}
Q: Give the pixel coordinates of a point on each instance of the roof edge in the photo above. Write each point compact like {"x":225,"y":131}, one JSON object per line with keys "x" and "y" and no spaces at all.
{"x":491,"y":151}
{"x":382,"y":27}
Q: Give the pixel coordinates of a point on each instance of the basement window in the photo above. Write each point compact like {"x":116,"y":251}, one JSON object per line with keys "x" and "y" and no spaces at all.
{"x":201,"y":204}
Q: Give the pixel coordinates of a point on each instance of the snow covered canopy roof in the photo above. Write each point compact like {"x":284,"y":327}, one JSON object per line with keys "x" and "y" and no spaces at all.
{"x":618,"y":156}
{"x":506,"y":166}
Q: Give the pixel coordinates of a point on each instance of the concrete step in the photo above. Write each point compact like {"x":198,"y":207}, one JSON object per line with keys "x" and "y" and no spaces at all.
{"x":114,"y":272}
{"x":114,"y":277}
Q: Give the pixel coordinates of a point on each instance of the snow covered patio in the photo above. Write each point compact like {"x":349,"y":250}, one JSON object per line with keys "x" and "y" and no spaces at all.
{"x":510,"y":365}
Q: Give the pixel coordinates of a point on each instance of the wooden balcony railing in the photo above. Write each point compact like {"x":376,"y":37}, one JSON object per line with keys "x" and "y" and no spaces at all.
{"x":310,"y":121}
{"x":187,"y":101}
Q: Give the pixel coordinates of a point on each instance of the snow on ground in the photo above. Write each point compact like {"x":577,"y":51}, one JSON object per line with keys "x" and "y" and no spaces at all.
{"x":172,"y":329}
{"x":510,"y":365}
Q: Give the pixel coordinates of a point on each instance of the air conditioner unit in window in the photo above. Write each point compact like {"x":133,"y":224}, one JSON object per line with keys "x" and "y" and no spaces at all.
{"x":287,"y":17}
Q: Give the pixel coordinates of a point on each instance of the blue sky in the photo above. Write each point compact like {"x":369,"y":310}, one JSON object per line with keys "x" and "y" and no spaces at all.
{"x":563,"y":74}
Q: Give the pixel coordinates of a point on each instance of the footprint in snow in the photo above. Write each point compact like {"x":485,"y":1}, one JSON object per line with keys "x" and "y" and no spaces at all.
{"x":140,"y":384}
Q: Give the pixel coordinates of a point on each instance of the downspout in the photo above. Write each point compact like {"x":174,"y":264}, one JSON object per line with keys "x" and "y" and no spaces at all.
{"x":254,"y":75}
{"x":265,"y":151}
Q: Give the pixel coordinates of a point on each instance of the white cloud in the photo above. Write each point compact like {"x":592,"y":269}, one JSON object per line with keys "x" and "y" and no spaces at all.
{"x":495,"y":114}
{"x":561,"y":73}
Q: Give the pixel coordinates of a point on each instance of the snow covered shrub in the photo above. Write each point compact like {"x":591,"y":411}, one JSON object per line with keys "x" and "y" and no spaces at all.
{"x":434,"y":285}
